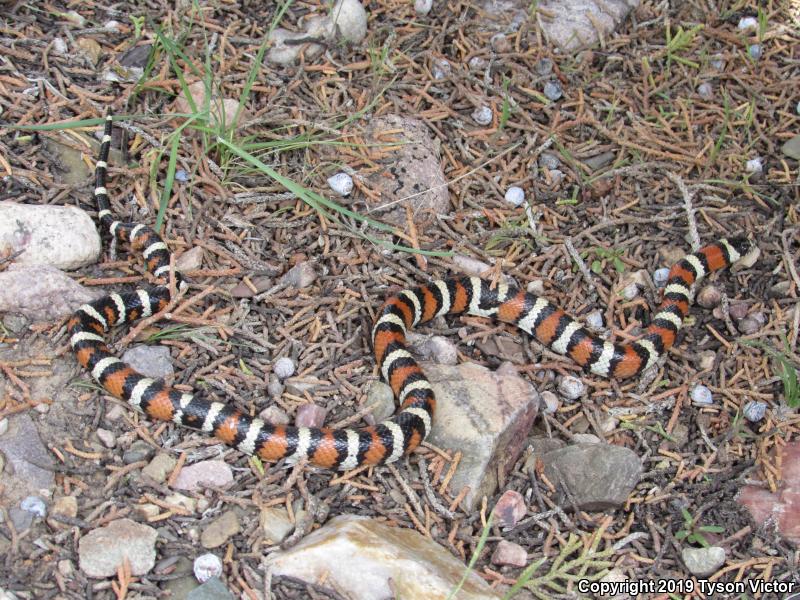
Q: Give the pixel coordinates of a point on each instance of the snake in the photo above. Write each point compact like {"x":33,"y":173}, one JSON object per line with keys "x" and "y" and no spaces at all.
{"x":387,"y":441}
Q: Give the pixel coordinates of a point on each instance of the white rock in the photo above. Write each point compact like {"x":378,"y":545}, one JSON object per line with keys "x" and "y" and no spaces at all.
{"x":571,"y":387}
{"x":703,"y":562}
{"x":746,"y":23}
{"x":207,"y":566}
{"x":701,"y":395}
{"x":60,"y":46}
{"x":283,"y":367}
{"x":341,"y":183}
{"x":515,"y":195}
{"x":350,"y":19}
{"x":754,"y":165}
{"x":482,"y":115}
{"x":660,"y":277}
{"x":60,"y":236}
{"x":441,"y":68}
{"x":423,"y":7}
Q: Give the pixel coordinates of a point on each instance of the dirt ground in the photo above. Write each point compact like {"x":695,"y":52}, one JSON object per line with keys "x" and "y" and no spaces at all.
{"x":670,"y":128}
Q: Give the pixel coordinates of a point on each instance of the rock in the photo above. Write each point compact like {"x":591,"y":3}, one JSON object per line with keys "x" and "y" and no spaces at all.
{"x":213,"y":589}
{"x":23,"y":452}
{"x":65,"y":506}
{"x":586,"y":438}
{"x":222,"y":110}
{"x":780,"y":510}
{"x":373,"y":561}
{"x":207,"y":566}
{"x":34,"y":505}
{"x":598,"y":476}
{"x":484,"y":415}
{"x":283,"y":367}
{"x":598,"y":161}
{"x":242,"y":290}
{"x":474,"y":267}
{"x":299,"y":276}
{"x":341,"y":183}
{"x":220,"y":530}
{"x":90,"y":49}
{"x":68,"y":163}
{"x":274,"y":415}
{"x":577,"y":24}
{"x":510,"y":508}
{"x":275,"y":524}
{"x":709,"y":296}
{"x":184,"y":581}
{"x":15,"y":323}
{"x":160,"y":467}
{"x":104,"y":549}
{"x":792,"y":147}
{"x":283,"y":51}
{"x":502,"y":347}
{"x":509,"y":553}
{"x":381,"y":395}
{"x":138,"y":451}
{"x":150,"y":361}
{"x":206,"y":473}
{"x":701,"y":395}
{"x":191,"y":260}
{"x":434,"y":347}
{"x":41,"y":292}
{"x":107,"y":437}
{"x":350,"y":20}
{"x":703,"y":562}
{"x":571,"y":388}
{"x":410,"y":172}
{"x":310,"y":415}
{"x":181,"y":502}
{"x":58,"y":236}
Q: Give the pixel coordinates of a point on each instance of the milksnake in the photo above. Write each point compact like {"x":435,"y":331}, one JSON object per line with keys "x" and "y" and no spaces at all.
{"x":386,"y":442}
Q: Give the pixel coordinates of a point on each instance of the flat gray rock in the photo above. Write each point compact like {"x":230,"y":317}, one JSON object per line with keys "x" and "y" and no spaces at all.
{"x":41,"y":292}
{"x":27,"y":459}
{"x":597,"y":476}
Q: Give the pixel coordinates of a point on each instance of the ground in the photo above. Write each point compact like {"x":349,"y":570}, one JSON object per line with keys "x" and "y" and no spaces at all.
{"x":668,"y":132}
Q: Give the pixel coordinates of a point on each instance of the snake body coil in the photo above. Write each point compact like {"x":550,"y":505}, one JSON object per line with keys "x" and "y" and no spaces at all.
{"x":387,"y":441}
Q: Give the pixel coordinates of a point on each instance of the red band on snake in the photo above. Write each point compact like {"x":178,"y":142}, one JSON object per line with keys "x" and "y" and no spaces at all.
{"x":386,"y":442}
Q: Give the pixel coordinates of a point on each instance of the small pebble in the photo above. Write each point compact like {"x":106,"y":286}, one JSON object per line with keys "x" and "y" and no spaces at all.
{"x":709,"y":297}
{"x":482,"y":115}
{"x":515,"y":195}
{"x":797,"y":108}
{"x":571,"y":388}
{"x":544,"y":66}
{"x":630,"y":291}
{"x":701,"y":395}
{"x":549,"y":161}
{"x":181,"y":175}
{"x":500,"y":43}
{"x":139,"y":450}
{"x":746,"y":23}
{"x":705,"y":90}
{"x":660,"y":277}
{"x":551,"y":402}
{"x":341,"y":183}
{"x":441,"y":69}
{"x":718,"y":63}
{"x":310,"y":415}
{"x":274,"y":415}
{"x":112,"y":25}
{"x":754,"y":411}
{"x":60,"y":46}
{"x":65,"y":568}
{"x":423,"y":7}
{"x":595,"y":319}
{"x":34,"y":505}
{"x":284,"y":367}
{"x":755,"y":165}
{"x":207,"y":566}
{"x":3,"y":425}
{"x":751,"y":323}
{"x":510,"y":508}
{"x":553,"y":90}
{"x":755,"y":51}
{"x":556,"y":176}
{"x":535,"y":287}
{"x":381,"y":397}
{"x":107,"y":437}
{"x":299,"y":276}
{"x":477,"y":63}
{"x":707,"y":358}
{"x":509,"y":553}
{"x":274,"y":387}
